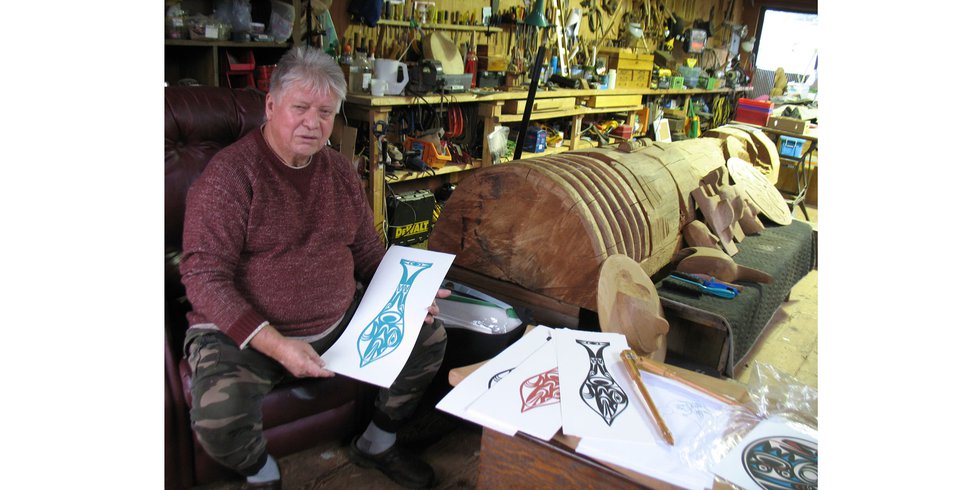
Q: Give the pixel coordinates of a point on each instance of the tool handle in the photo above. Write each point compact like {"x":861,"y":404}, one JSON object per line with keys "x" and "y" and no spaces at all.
{"x":629,"y":358}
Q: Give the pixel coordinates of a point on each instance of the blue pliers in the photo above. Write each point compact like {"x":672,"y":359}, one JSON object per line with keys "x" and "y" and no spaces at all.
{"x":708,"y":286}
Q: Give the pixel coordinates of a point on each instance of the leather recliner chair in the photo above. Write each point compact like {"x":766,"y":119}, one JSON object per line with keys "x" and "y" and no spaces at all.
{"x":298,"y":414}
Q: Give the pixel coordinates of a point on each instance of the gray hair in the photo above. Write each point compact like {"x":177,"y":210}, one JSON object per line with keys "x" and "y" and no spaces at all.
{"x":311,"y":67}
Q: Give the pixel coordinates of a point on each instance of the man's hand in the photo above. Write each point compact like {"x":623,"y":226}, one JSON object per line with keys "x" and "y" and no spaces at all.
{"x":434,"y":308}
{"x":296,"y":356}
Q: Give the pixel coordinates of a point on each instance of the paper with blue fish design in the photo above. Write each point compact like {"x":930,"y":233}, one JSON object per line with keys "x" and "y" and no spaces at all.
{"x":382,"y":332}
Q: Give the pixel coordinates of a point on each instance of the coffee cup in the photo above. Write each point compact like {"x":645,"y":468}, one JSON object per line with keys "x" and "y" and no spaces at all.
{"x":378,"y":87}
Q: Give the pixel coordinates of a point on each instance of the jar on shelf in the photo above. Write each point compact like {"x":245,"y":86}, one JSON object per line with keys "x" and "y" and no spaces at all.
{"x":360,"y":74}
{"x":175,"y":22}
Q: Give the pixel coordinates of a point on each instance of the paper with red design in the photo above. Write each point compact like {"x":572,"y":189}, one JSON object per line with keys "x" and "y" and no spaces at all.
{"x":527,"y":400}
{"x":492,"y":372}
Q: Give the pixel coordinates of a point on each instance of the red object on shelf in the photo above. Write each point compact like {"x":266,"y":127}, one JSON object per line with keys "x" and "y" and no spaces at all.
{"x":264,"y":71}
{"x":753,"y":111}
{"x":240,"y":79}
{"x":624,"y":131}
{"x":239,"y":60}
{"x":470,"y":66}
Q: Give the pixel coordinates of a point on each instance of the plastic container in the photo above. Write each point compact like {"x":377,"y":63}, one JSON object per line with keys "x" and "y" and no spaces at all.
{"x":478,"y":327}
{"x":239,"y":60}
{"x":753,"y":111}
{"x":691,"y":76}
{"x":791,"y":147}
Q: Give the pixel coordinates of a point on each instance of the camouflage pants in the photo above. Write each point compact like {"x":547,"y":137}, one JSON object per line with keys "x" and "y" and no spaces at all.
{"x":228,"y":384}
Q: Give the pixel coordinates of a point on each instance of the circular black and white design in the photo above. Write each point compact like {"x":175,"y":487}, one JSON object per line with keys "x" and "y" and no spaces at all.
{"x":782,"y":463}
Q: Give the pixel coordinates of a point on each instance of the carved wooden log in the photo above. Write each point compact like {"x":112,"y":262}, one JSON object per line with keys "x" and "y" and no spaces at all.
{"x":547,"y":224}
{"x":761,"y":151}
{"x":768,"y":154}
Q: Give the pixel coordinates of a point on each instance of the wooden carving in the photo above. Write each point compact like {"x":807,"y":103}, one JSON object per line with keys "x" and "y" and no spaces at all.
{"x":728,"y":194}
{"x":762,"y":152}
{"x":734,"y":148}
{"x":697,"y":234}
{"x":719,"y":216}
{"x":762,"y":192}
{"x":723,"y":132}
{"x":767,"y":152}
{"x":548,"y":223}
{"x":750,"y":221}
{"x":703,"y":260}
{"x":629,"y":304}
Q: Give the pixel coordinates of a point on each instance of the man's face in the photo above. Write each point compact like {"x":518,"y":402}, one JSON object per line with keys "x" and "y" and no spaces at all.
{"x":300,"y":122}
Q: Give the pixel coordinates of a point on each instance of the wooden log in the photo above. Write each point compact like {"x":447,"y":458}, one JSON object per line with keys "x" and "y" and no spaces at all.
{"x":547,"y":224}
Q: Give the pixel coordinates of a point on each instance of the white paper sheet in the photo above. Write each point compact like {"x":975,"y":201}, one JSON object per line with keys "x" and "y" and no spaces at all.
{"x":527,"y":400}
{"x":376,"y":344}
{"x":772,"y":455}
{"x":599,"y":397}
{"x":494,"y":370}
{"x":687,"y":413}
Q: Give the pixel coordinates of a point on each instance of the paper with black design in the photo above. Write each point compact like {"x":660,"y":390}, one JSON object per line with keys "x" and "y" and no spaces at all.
{"x":599,"y":399}
{"x":491,"y":372}
{"x":382,"y":332}
{"x":689,"y":414}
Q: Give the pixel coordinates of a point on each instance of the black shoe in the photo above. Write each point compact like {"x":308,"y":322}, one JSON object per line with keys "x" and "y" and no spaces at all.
{"x":403,"y":468}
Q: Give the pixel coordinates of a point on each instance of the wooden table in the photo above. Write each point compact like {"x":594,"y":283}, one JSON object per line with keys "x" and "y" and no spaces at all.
{"x":523,"y":461}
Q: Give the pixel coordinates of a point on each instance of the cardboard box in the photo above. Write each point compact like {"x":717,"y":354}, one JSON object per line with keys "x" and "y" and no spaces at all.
{"x":787,"y":124}
{"x":634,"y":70}
{"x":614,"y":100}
{"x":492,"y":63}
{"x":555,"y":104}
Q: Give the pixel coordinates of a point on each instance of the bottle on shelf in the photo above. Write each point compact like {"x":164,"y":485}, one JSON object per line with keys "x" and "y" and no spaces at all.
{"x":360,"y":74}
{"x":347,"y":55}
{"x":471,"y":63}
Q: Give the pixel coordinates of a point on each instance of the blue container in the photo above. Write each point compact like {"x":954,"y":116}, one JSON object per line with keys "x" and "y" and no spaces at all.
{"x":536,"y":140}
{"x":791,"y":147}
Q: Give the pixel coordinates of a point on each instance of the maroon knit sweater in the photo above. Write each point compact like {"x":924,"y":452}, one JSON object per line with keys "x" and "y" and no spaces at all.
{"x":266,"y":242}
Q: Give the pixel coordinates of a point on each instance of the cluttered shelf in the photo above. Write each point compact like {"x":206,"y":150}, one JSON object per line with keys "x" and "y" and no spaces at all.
{"x":500,"y":95}
{"x":407,"y":175}
{"x":578,"y":111}
{"x":224,"y":44}
{"x":445,"y":27}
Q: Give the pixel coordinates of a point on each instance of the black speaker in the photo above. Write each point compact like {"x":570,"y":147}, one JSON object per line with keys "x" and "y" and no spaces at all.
{"x":410,"y":217}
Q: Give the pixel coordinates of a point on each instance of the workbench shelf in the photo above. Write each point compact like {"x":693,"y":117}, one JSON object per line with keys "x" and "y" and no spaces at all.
{"x":407,"y":175}
{"x":441,"y":27}
{"x":578,"y":111}
{"x":525,"y":155}
{"x":374,"y":109}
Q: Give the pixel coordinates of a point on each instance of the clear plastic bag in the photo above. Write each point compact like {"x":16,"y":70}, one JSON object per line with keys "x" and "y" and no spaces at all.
{"x":497,"y":141}
{"x":236,"y":13}
{"x":773,"y":394}
{"x":281,"y":21}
